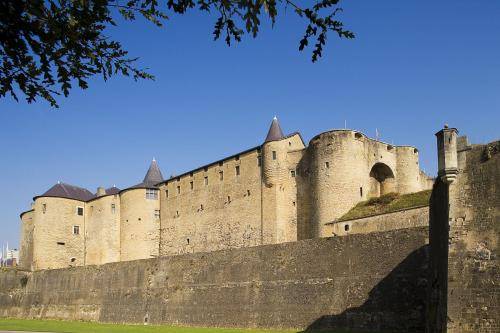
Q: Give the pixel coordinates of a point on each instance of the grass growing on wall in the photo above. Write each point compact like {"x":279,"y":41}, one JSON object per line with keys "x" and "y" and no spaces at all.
{"x":388,"y":203}
{"x":57,"y":326}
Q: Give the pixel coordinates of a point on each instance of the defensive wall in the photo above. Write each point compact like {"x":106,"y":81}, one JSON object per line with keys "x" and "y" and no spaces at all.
{"x":405,"y":218}
{"x":370,"y":281}
{"x":464,"y":281}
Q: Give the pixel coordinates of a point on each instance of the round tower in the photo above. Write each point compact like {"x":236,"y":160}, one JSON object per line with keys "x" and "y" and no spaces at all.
{"x":338,"y":170}
{"x":140,"y":217}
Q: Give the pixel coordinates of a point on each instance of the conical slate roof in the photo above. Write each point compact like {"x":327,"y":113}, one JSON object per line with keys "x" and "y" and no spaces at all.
{"x":153,"y":176}
{"x":62,"y":190}
{"x":275,"y":132}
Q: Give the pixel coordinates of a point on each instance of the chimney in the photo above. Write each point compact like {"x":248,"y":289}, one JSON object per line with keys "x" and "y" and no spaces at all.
{"x":101,"y":191}
{"x":447,"y":154}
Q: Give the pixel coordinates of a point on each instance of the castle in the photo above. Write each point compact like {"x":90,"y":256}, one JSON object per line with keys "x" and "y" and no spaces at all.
{"x":431,"y":268}
{"x":280,"y":191}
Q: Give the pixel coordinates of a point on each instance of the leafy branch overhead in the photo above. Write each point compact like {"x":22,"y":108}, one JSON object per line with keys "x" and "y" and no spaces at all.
{"x":47,"y":46}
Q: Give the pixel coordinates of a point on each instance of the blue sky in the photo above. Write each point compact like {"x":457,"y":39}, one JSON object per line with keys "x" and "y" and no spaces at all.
{"x":413,"y":67}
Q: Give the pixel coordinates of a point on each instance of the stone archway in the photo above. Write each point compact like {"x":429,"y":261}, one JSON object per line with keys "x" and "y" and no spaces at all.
{"x":381,"y":180}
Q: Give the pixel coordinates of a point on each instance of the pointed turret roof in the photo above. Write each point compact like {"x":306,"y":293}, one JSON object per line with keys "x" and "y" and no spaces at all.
{"x":152,"y":178}
{"x":62,"y":190}
{"x":275,"y":132}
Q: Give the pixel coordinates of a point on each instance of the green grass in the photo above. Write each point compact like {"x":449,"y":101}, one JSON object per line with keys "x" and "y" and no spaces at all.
{"x":387,"y":204}
{"x":87,"y":327}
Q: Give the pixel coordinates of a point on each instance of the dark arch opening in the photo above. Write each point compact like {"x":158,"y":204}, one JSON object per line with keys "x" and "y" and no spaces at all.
{"x":381,"y":180}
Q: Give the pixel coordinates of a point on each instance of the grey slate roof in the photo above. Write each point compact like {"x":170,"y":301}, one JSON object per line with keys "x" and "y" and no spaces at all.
{"x":62,"y":190}
{"x":112,"y":190}
{"x":275,"y":132}
{"x":152,"y":178}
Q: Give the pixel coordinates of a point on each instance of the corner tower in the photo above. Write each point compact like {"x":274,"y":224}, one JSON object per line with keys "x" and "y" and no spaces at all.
{"x":279,"y":188}
{"x":140,"y":217}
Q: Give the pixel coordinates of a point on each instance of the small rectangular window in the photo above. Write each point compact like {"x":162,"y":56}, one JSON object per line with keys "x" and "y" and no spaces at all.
{"x":76,"y":230}
{"x":221,"y":175}
{"x":166,"y":193}
{"x":79,"y":211}
{"x":113,"y":208}
{"x":327,"y":165}
{"x":157,"y":214}
{"x":274,"y":154}
{"x":44,"y":208}
{"x":191,"y":184}
{"x":206,"y":180}
{"x":237,"y":168}
{"x":228,"y":199}
{"x":292,"y":173}
{"x":361,"y":191}
{"x":151,"y":194}
{"x":178,"y":190}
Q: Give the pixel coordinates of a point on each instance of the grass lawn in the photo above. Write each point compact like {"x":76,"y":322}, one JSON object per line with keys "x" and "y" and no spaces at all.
{"x":86,"y":327}
{"x":387,"y":204}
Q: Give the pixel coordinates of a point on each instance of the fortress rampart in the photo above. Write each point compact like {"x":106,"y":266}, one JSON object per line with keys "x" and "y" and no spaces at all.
{"x":279,"y":191}
{"x":389,"y":273}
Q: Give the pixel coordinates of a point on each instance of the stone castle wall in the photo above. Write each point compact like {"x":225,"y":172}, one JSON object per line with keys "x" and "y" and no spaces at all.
{"x":139,"y":226}
{"x":54,"y":243}
{"x":278,"y":192}
{"x":338,"y":170}
{"x":464,"y":289}
{"x":26,"y":244}
{"x":407,"y":218}
{"x":102,"y":234}
{"x":373,"y":281}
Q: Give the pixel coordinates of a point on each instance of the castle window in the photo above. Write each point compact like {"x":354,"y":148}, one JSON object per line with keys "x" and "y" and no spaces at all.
{"x":113,"y":208}
{"x":201,"y":207}
{"x":187,"y":241}
{"x":358,"y":135}
{"x":274,"y":154}
{"x":361,"y":191}
{"x":177,"y":213}
{"x":73,"y":259}
{"x":292,"y":173}
{"x":293,"y":203}
{"x":151,"y":194}
{"x":61,"y":243}
{"x":157,"y":214}
{"x":79,"y":211}
{"x":191,"y":184}
{"x":166,"y":193}
{"x":221,"y":175}
{"x":237,"y":169}
{"x":178,"y":190}
{"x":228,"y":199}
{"x":248,"y":192}
{"x":206,"y":180}
{"x":259,"y":160}
{"x":76,"y":230}
{"x":327,"y":165}
{"x":346,"y":227}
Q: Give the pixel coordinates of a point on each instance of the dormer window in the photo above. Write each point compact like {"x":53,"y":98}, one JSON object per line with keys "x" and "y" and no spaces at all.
{"x":151,"y":194}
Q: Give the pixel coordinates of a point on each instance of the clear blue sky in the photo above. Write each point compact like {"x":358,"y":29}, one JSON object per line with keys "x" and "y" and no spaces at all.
{"x":413,"y":66}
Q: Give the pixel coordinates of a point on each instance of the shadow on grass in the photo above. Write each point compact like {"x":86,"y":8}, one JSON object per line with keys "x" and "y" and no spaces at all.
{"x":395,"y":304}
